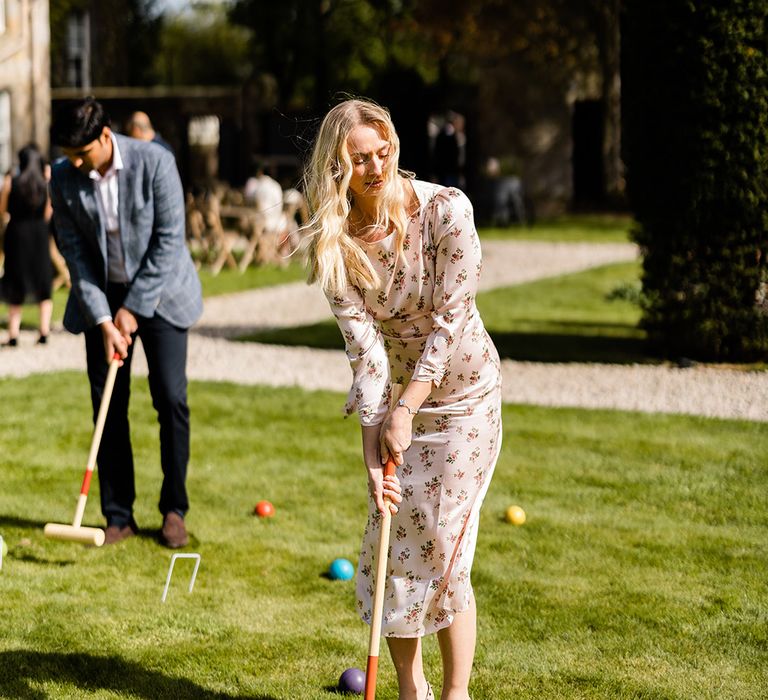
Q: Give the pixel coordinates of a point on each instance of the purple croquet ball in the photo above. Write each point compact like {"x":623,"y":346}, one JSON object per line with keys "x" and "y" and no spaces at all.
{"x":352,"y":681}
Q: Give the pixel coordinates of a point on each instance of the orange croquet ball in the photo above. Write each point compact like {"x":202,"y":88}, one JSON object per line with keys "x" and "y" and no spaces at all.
{"x":515,"y":515}
{"x":264,"y":509}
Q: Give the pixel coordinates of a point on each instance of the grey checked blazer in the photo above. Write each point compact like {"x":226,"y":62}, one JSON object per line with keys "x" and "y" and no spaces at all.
{"x":163,"y":279}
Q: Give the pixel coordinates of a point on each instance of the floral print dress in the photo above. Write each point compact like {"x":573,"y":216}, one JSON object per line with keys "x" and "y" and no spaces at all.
{"x":422,"y":324}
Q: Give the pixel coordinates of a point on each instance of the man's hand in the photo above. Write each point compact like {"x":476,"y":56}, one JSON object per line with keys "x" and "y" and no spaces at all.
{"x":114,"y":341}
{"x":126,"y":323}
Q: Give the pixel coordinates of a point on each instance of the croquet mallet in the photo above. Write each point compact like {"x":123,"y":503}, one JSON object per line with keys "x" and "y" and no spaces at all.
{"x":76,"y":532}
{"x":377,"y":611}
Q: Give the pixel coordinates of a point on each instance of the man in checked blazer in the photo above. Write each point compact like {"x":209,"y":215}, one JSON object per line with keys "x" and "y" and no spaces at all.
{"x":119,"y":218}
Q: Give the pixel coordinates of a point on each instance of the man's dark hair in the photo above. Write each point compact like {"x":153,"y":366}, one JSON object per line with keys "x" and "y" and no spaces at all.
{"x":78,"y":122}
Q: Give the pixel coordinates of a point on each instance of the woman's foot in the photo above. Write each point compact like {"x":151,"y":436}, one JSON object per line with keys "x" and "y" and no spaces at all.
{"x":11,"y":343}
{"x":42,"y":340}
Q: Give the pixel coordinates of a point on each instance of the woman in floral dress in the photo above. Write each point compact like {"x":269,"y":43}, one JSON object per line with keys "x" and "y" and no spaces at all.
{"x":399,"y":260}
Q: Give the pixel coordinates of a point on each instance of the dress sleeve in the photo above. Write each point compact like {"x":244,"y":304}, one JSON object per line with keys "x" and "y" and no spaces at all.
{"x":367,"y":356}
{"x":456,"y":250}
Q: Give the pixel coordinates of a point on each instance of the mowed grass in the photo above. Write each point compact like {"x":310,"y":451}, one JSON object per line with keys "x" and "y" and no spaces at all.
{"x":592,"y":228}
{"x":589,"y":316}
{"x":640,"y":572}
{"x":595,"y":228}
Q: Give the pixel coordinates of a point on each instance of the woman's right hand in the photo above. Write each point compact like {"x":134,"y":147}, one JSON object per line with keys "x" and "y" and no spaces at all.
{"x":384,"y":487}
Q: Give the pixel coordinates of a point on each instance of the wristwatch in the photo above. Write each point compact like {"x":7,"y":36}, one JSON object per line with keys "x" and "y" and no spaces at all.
{"x":412,"y":411}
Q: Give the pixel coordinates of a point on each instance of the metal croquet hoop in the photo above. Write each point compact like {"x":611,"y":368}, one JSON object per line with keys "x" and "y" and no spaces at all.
{"x":170,"y":572}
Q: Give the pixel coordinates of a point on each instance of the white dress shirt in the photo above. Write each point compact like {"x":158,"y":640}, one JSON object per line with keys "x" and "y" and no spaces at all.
{"x":106,"y":188}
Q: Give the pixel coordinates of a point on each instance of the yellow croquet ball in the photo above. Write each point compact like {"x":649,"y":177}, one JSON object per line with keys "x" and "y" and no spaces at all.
{"x":4,"y":547}
{"x":515,"y":515}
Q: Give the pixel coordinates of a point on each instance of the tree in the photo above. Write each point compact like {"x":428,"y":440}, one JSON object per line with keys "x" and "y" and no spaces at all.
{"x":124,"y":39}
{"x":202,"y":47}
{"x":695,"y":99}
{"x":315,"y":48}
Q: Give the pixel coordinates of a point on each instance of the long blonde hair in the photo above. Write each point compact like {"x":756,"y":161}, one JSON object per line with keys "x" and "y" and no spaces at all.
{"x":335,"y":258}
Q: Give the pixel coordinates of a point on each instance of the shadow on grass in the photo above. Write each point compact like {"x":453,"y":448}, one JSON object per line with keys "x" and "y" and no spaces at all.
{"x":566,"y":347}
{"x":565,"y":342}
{"x":22,"y":670}
{"x":23,"y":523}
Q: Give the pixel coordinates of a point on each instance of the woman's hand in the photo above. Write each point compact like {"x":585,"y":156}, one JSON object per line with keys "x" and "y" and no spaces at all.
{"x":384,"y":487}
{"x":395,"y":436}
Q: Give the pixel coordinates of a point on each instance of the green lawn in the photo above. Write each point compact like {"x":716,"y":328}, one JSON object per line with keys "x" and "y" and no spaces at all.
{"x":589,"y":316}
{"x":226,"y":282}
{"x":640,"y":572}
{"x":594,"y":228}
{"x":574,"y":228}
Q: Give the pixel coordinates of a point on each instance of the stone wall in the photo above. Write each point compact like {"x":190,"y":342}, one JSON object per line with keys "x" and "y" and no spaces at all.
{"x":25,"y":71}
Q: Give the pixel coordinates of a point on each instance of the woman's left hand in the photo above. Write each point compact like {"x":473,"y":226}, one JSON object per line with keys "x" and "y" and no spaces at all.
{"x":395,"y":435}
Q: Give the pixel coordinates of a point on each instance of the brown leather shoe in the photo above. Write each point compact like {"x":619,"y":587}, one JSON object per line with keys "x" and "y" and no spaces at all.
{"x":174,"y":532}
{"x":118,"y":533}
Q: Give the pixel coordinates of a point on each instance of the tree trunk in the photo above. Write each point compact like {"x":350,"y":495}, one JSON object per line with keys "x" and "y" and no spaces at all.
{"x":610,"y":48}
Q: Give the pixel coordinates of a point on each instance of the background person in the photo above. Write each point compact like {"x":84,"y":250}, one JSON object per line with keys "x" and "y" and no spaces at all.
{"x":140,"y":127}
{"x":119,"y":212}
{"x":265,"y":194}
{"x":399,"y":261}
{"x":28,"y":269}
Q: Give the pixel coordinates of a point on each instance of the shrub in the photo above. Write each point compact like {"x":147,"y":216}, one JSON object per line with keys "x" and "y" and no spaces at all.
{"x":695,"y":143}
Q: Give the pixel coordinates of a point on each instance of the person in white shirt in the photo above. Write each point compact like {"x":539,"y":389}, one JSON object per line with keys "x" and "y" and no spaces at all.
{"x":265,"y":194}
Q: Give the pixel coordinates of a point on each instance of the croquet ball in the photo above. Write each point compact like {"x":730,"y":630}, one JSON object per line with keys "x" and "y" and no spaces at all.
{"x":352,"y":681}
{"x":515,"y":515}
{"x":264,"y":509}
{"x":341,"y":570}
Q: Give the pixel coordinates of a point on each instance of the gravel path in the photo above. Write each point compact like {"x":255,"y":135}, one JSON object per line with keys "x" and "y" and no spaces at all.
{"x":697,"y":391}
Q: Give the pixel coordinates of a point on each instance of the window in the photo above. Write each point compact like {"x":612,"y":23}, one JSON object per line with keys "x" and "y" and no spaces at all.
{"x":5,"y":131}
{"x":78,"y":50}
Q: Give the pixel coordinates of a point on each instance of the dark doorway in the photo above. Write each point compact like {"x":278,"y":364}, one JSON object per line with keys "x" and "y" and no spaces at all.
{"x":588,"y":173}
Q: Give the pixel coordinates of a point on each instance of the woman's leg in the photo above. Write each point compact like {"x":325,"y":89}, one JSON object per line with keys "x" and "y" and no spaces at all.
{"x":406,"y":656}
{"x":46,"y":310}
{"x":14,"y":321}
{"x":457,"y":648}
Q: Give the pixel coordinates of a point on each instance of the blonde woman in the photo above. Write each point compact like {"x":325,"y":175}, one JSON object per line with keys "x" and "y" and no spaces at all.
{"x":399,"y":260}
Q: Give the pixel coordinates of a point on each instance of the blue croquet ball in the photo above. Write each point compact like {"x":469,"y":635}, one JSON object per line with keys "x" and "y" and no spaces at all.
{"x":352,"y":680}
{"x":341,"y":570}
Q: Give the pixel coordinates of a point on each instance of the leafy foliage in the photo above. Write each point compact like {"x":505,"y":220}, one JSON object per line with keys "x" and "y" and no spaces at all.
{"x":695,"y":106}
{"x":201,"y":47}
{"x":314,"y":47}
{"x":123,"y":45}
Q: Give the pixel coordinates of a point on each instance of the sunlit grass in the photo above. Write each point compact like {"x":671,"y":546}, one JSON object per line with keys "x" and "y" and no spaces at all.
{"x":588,"y":316}
{"x":593,"y":228}
{"x":640,"y":572}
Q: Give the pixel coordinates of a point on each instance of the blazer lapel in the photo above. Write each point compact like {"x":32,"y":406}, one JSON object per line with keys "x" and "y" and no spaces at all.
{"x":126,"y":179}
{"x":91,"y":209}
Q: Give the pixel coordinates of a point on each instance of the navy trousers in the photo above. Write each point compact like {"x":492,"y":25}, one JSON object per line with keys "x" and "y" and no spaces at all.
{"x":165,"y":347}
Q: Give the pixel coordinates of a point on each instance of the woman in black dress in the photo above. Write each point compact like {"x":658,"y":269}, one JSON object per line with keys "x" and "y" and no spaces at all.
{"x":28,"y":270}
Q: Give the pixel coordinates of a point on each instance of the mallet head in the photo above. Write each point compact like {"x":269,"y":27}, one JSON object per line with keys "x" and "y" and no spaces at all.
{"x":85,"y":535}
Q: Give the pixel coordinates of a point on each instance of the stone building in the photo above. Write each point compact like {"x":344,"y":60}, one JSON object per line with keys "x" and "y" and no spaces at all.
{"x":25,"y":100}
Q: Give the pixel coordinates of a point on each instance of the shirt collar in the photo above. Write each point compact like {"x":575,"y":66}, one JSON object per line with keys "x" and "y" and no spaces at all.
{"x":117,"y":162}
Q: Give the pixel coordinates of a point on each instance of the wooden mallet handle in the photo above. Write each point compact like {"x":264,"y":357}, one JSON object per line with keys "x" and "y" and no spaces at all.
{"x":381,"y":579}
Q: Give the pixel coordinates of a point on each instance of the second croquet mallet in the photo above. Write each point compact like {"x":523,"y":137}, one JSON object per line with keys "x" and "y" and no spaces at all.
{"x":76,"y":532}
